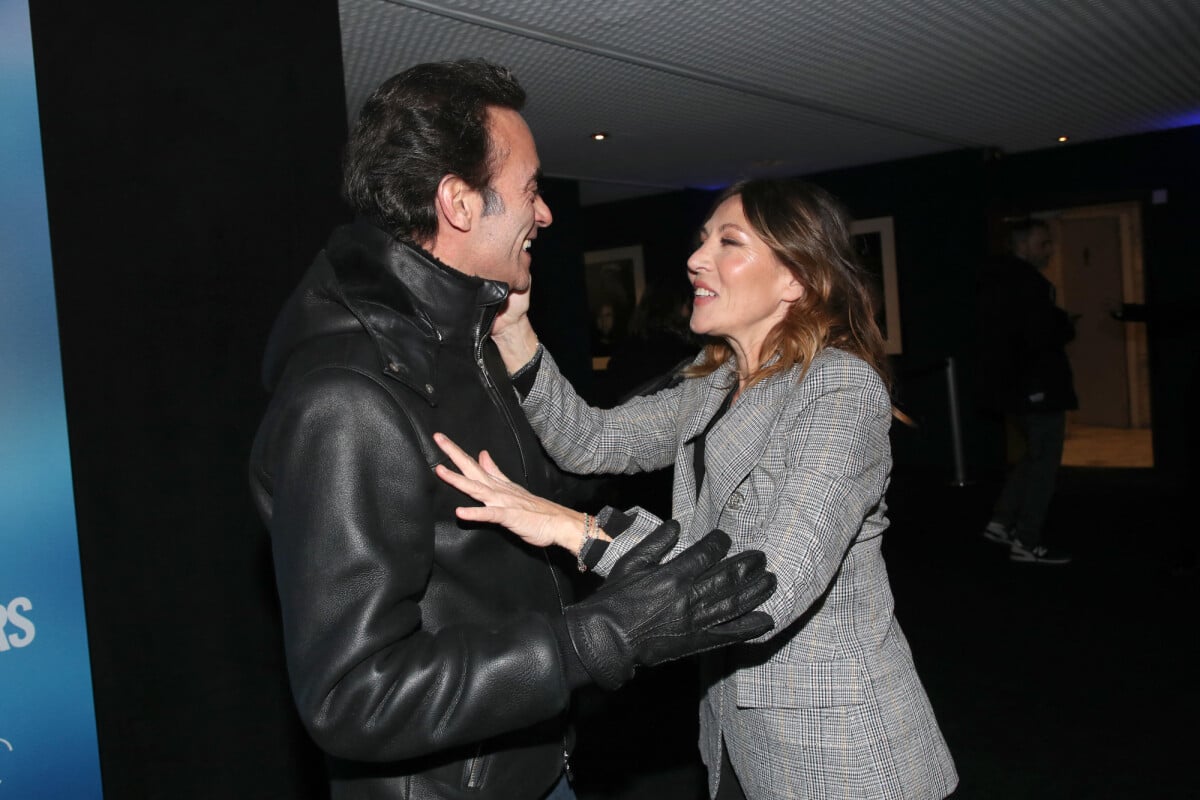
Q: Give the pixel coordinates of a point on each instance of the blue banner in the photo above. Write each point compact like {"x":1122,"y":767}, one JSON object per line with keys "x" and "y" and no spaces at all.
{"x":47,"y":721}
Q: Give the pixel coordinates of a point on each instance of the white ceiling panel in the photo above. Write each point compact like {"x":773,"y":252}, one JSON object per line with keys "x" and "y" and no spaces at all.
{"x":696,"y":94}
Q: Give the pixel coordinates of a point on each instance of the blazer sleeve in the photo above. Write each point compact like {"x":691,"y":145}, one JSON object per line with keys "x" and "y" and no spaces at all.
{"x":832,"y":436}
{"x":638,"y":436}
{"x":837,"y":461}
{"x":352,"y":539}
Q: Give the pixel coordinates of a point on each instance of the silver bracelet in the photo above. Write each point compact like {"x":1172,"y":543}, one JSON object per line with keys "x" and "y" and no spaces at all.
{"x":590,"y":527}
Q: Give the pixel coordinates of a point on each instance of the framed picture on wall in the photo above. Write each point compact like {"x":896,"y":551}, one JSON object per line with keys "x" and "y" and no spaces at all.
{"x":615,"y":280}
{"x":875,"y":246}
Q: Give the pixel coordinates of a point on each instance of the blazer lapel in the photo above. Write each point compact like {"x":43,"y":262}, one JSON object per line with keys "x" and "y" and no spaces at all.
{"x":711,"y":394}
{"x":698,"y":410}
{"x":737,"y":442}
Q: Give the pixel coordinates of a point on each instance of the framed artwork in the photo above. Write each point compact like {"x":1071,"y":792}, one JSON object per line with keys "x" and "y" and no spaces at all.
{"x":615,"y":280}
{"x":875,"y":245}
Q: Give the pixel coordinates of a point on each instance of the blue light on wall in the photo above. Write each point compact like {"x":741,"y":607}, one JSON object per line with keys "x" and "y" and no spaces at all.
{"x":1182,"y":120}
{"x":48,"y":745}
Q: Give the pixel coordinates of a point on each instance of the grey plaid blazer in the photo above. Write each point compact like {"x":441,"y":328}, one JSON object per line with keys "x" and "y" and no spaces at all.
{"x":828,"y":705}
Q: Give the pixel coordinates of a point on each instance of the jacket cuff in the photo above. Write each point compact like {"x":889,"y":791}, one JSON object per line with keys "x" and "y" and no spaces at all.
{"x":627,"y":529}
{"x":575,"y":673}
{"x":526,"y":374}
{"x":615,"y":522}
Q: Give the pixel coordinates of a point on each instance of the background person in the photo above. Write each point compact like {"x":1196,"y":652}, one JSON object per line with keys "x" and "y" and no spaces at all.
{"x":1025,"y":374}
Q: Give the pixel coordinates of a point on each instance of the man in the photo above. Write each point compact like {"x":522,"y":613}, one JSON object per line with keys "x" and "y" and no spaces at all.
{"x":430,"y":658}
{"x":1025,"y":374}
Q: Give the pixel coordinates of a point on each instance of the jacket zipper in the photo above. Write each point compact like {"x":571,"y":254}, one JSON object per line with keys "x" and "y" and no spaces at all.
{"x":473,"y":768}
{"x":562,"y":607}
{"x":494,"y":393}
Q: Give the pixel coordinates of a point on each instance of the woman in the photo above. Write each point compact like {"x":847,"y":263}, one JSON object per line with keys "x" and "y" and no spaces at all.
{"x":779,"y":436}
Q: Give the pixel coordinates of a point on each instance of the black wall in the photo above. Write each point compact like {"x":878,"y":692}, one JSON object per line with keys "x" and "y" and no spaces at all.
{"x":664,"y":225}
{"x":191,"y":156}
{"x":937,"y":205}
{"x":558,"y":305}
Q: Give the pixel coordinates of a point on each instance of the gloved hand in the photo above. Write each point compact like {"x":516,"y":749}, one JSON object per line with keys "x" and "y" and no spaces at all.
{"x":646,"y":613}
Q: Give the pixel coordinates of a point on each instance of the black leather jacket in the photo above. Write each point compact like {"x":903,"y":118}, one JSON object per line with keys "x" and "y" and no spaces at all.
{"x":421,"y":651}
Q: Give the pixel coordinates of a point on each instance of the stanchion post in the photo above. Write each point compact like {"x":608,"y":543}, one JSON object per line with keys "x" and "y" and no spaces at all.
{"x":956,"y":444}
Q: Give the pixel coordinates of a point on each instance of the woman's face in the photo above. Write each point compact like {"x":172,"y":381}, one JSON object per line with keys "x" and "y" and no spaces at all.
{"x":741,"y":290}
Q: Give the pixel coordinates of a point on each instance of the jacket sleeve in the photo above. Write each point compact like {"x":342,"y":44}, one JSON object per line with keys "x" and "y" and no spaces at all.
{"x":353,"y":538}
{"x":826,"y":489}
{"x":830,"y":490}
{"x":588,"y":440}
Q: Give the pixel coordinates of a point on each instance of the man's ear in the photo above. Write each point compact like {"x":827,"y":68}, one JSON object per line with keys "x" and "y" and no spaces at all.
{"x":455,"y":203}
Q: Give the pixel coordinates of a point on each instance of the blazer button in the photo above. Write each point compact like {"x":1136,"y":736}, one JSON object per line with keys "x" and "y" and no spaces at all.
{"x":735,"y":501}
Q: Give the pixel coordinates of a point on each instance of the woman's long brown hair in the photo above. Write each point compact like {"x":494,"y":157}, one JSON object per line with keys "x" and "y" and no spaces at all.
{"x":807,"y":230}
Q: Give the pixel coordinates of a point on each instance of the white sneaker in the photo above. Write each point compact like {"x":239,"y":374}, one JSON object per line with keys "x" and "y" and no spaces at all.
{"x":1038,"y":554}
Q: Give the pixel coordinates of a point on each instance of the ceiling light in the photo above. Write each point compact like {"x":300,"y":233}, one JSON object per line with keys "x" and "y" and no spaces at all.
{"x":599,"y":136}
{"x":1062,"y":138}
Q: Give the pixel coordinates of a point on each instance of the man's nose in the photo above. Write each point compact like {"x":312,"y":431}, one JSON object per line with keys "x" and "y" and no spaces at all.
{"x":541,"y":213}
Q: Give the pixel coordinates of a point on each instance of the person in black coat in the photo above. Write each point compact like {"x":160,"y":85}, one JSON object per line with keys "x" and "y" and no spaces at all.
{"x":432,"y":658}
{"x":1025,"y":373}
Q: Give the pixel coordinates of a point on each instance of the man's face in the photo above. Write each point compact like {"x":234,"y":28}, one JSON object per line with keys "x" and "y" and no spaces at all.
{"x":1037,"y":247}
{"x":513,"y":214}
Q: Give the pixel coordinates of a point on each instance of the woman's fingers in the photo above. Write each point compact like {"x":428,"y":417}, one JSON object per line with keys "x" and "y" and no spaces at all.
{"x":466,"y":465}
{"x":489,"y":466}
{"x":464,"y":484}
{"x":485,"y":467}
{"x":486,"y":483}
{"x":487,"y":491}
{"x":481,"y":514}
{"x":533,"y":518}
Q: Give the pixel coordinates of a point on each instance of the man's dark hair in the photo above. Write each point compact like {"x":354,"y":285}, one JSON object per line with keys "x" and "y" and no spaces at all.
{"x":416,"y":127}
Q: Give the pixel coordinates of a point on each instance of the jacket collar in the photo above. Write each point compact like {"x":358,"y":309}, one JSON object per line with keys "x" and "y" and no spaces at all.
{"x":412,"y":306}
{"x":717,"y":386}
{"x":741,"y":436}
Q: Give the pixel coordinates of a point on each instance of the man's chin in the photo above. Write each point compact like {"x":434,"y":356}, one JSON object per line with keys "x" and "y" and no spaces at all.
{"x":520,"y":283}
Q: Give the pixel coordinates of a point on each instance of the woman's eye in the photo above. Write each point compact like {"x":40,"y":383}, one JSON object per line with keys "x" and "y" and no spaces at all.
{"x":730,"y":242}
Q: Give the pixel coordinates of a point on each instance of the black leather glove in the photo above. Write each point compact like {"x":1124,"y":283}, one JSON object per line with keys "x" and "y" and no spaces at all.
{"x":647,"y":613}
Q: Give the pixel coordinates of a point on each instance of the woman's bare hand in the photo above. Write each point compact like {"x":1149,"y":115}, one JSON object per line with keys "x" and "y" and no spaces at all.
{"x":538,"y":521}
{"x":512,"y":333}
{"x":514,"y":312}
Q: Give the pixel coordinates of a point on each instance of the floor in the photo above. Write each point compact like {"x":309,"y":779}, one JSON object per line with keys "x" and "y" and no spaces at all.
{"x":1048,"y":682}
{"x":1095,"y":446}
